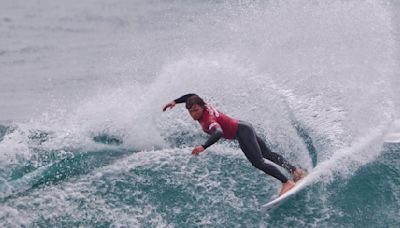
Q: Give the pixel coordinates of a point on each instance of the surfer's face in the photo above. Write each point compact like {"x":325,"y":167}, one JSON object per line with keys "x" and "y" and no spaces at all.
{"x":196,"y":111}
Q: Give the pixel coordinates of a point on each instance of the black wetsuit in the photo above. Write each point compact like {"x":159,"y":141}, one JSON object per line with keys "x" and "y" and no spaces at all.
{"x":253,"y":147}
{"x":255,"y":150}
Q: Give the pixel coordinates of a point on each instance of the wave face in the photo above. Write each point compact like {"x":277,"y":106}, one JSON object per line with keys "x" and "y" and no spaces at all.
{"x":318,"y":80}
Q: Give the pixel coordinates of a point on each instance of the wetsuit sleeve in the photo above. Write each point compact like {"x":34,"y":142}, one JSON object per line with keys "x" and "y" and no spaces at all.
{"x":215,"y":136}
{"x":183,"y":98}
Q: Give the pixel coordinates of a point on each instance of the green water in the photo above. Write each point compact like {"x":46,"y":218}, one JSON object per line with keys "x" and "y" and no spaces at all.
{"x":161,"y":188}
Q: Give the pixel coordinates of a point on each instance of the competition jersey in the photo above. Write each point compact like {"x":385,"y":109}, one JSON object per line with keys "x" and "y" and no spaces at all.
{"x":211,"y":118}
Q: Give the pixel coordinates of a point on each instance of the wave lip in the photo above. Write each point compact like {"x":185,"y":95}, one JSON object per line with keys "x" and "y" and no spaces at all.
{"x":392,"y":138}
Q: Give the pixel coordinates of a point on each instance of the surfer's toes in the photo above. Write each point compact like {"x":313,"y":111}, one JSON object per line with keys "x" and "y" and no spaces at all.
{"x":286,"y":187}
{"x":298,"y":174}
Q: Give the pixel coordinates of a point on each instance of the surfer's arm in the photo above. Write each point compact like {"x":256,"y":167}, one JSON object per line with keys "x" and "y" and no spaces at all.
{"x":215,"y":136}
{"x":182,"y":99}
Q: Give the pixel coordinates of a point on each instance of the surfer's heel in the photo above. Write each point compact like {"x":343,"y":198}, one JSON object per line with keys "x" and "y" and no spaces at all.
{"x":299,"y":174}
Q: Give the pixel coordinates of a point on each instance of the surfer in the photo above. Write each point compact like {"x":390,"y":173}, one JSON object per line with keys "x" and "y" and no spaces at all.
{"x":219,"y":125}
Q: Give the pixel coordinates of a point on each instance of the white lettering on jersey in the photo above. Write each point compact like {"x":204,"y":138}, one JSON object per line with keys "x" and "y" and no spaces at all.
{"x":212,"y":125}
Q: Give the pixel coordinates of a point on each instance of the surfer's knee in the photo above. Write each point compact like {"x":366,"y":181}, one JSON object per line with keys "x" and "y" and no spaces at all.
{"x":270,"y":170}
{"x":259,"y":164}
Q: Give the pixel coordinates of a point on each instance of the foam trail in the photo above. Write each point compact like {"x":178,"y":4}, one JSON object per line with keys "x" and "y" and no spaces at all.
{"x":346,"y":161}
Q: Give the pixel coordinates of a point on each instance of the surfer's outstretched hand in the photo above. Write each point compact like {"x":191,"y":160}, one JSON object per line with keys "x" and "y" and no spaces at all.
{"x":170,"y":105}
{"x":197,"y":150}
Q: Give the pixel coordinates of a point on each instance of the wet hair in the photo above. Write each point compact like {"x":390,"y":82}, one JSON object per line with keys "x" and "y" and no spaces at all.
{"x":192,"y":100}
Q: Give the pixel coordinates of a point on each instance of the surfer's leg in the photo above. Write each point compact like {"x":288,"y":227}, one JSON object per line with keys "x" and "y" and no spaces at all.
{"x":248,"y":143}
{"x":297,"y":172}
{"x":274,"y":157}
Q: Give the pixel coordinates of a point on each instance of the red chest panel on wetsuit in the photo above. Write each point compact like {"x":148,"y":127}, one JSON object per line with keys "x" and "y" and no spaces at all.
{"x":212,"y":118}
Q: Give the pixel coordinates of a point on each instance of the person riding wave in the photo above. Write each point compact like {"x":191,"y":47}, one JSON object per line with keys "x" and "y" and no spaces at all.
{"x":219,"y":125}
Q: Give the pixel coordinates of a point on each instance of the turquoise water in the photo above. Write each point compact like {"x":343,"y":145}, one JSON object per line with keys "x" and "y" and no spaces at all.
{"x":122,"y":187}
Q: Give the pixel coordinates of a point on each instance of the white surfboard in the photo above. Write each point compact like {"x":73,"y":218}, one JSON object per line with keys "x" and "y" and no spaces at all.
{"x":276,"y":202}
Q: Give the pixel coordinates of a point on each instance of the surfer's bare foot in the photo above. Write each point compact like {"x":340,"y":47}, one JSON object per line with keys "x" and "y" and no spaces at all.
{"x":286,"y":187}
{"x":298,"y":174}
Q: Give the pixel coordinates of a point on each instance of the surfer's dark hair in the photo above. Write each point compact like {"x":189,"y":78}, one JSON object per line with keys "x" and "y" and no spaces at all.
{"x":192,"y":100}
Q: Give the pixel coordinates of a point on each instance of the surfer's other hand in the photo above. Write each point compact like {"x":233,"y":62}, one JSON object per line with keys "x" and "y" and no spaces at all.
{"x":170,"y":105}
{"x":197,"y":150}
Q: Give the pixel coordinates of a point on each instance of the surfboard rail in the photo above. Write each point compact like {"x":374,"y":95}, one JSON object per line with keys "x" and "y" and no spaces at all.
{"x":275,"y":202}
